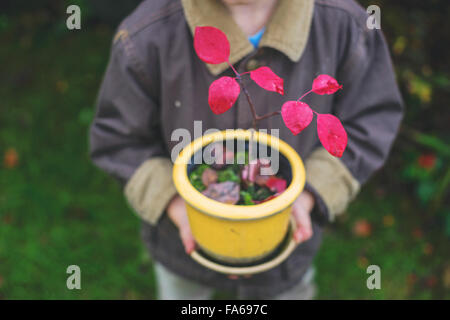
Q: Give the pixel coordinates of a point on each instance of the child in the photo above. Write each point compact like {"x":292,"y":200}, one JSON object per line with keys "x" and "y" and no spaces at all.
{"x":155,"y":83}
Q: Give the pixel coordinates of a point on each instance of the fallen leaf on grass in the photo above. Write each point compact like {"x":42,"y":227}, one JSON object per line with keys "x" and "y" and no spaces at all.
{"x":431,"y":281}
{"x":62,"y":86}
{"x":388,"y":220}
{"x":417,"y":233}
{"x":8,"y":218}
{"x":411,"y":279}
{"x":428,"y":249}
{"x":446,"y":277}
{"x":362,"y":262}
{"x":362,"y":228}
{"x":11,"y":158}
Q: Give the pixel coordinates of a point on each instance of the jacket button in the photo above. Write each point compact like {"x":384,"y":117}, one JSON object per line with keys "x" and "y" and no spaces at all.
{"x":177,"y":103}
{"x":252,"y":64}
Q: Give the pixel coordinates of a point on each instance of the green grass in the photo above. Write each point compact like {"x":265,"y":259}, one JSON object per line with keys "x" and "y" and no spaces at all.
{"x":57,"y":209}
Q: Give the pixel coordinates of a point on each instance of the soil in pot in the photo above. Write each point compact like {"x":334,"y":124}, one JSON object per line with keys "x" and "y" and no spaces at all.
{"x":229,"y":176}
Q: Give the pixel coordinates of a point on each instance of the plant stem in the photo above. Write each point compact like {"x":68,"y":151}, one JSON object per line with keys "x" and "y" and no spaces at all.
{"x":250,"y":103}
{"x":268,"y":115}
{"x":231,"y":66}
{"x":304,"y":95}
{"x":255,"y":116}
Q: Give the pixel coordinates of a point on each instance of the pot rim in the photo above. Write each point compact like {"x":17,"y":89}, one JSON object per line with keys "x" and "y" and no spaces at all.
{"x":238,"y":212}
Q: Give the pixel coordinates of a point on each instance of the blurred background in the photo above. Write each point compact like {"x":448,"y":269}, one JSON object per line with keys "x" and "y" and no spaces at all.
{"x":57,"y":209}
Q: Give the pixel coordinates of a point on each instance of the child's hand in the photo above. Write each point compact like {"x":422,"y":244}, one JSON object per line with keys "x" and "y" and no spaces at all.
{"x":177,"y":213}
{"x":301,"y":210}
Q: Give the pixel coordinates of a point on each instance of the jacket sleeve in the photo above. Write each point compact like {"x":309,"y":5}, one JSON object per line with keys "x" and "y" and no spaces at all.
{"x":371,"y":108}
{"x":125,"y":136}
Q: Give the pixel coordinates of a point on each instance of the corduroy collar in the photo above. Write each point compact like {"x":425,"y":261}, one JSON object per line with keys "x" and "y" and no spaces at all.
{"x":287,"y":31}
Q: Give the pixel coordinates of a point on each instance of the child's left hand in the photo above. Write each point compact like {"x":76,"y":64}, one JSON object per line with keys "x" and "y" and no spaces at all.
{"x":301,"y":210}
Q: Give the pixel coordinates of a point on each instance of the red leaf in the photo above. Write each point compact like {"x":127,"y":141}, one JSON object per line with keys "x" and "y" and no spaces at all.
{"x":296,"y":116}
{"x":324,"y":84}
{"x":276,"y":184}
{"x":267,"y":79}
{"x":223,"y":93}
{"x":332,"y":134}
{"x":211,"y":45}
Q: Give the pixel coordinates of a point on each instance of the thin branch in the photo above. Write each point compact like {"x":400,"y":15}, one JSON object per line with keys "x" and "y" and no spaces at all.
{"x":304,"y":95}
{"x":268,"y":115}
{"x":255,"y":116}
{"x":250,"y":103}
{"x":231,"y":66}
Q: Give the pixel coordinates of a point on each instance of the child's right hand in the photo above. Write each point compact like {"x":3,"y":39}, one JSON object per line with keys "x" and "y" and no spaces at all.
{"x":177,"y":213}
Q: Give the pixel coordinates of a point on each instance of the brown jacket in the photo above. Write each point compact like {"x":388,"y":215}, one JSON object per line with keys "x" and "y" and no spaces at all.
{"x":154,"y":84}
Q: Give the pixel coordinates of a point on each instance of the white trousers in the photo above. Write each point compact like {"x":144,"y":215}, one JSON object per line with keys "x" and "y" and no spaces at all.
{"x":173,"y":287}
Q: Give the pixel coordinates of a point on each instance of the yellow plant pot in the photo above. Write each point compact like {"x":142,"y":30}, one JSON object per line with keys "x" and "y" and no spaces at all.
{"x":236,"y":233}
